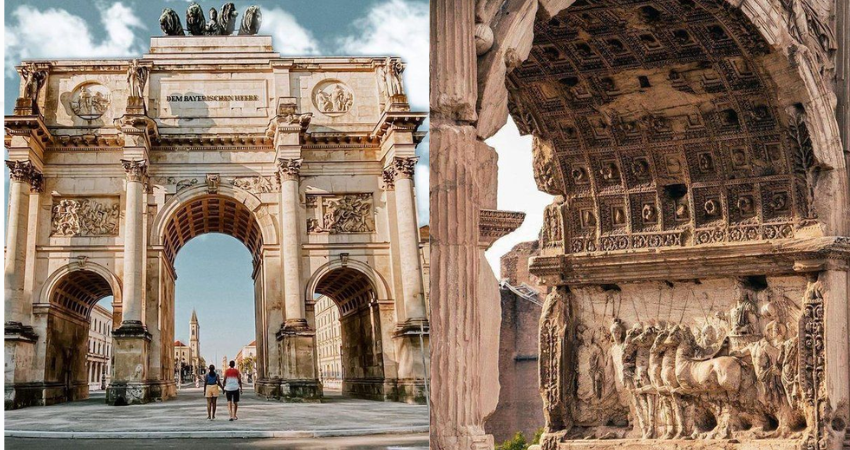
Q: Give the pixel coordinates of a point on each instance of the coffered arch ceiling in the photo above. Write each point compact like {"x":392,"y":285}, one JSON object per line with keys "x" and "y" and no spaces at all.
{"x":77,"y":292}
{"x":349,"y":288}
{"x":659,"y":125}
{"x":212,"y":214}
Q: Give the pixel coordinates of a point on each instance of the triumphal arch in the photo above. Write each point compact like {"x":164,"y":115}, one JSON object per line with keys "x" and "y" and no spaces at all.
{"x":696,"y":250}
{"x":116,"y":164}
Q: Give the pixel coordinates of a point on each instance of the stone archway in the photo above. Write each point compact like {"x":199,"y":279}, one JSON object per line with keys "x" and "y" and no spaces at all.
{"x":192,"y":213}
{"x":72,"y":295}
{"x":362,"y":355}
{"x":643,"y":112}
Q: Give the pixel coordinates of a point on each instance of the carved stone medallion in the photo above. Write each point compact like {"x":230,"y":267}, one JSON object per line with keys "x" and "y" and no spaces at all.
{"x":90,"y":101}
{"x":332,"y":98}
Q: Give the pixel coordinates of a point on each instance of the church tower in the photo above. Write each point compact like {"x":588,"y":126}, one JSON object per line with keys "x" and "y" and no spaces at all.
{"x":194,"y":340}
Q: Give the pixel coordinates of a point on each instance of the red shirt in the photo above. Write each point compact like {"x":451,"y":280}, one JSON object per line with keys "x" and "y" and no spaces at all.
{"x":231,"y":373}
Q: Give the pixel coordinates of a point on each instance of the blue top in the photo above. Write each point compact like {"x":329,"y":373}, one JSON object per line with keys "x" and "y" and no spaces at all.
{"x":212,"y":378}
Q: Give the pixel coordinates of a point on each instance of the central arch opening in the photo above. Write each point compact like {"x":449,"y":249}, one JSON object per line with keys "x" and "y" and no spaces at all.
{"x":360,"y":344}
{"x":212,"y":309}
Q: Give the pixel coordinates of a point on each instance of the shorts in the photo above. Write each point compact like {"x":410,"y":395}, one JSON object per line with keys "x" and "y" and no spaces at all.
{"x":232,"y":396}
{"x":212,"y":391}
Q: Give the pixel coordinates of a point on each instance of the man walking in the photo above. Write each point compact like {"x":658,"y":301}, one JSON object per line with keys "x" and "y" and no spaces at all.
{"x":232,"y":389}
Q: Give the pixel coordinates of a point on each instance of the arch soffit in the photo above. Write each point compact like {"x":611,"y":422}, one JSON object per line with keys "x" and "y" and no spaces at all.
{"x":59,"y":274}
{"x":259,"y":211}
{"x":513,"y":36}
{"x":378,"y":282}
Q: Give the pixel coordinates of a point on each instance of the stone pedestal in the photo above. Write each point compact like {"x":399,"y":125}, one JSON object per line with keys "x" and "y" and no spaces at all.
{"x":300,"y":379}
{"x":129,"y":385}
{"x":410,"y":386}
{"x":19,"y":350}
{"x":268,"y":388}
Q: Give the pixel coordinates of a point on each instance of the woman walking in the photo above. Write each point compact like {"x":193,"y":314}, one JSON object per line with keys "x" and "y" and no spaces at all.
{"x":212,"y":383}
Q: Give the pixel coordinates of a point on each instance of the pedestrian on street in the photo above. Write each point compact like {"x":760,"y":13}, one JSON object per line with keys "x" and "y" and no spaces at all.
{"x":212,"y":382}
{"x":232,"y":389}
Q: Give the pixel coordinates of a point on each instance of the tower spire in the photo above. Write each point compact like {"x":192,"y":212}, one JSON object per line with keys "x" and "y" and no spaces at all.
{"x":194,"y":317}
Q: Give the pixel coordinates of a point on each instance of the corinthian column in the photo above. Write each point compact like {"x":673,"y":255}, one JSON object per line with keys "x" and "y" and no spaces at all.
{"x":133,"y":242}
{"x":408,"y":236}
{"x":291,"y":242}
{"x":23,"y":177}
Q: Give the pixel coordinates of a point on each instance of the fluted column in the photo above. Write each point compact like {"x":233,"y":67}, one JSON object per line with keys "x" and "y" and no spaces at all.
{"x":23,"y":178}
{"x":457,"y":393}
{"x":133,"y":241}
{"x":408,"y":235}
{"x":289,"y":170}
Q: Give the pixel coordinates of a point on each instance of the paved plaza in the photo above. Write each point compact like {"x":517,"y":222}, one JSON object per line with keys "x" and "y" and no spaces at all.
{"x":186,"y":417}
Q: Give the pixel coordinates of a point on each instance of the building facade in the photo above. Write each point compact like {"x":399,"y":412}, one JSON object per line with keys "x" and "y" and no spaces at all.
{"x":123,"y":161}
{"x":99,"y":355}
{"x":246,"y":361}
{"x":329,"y":344}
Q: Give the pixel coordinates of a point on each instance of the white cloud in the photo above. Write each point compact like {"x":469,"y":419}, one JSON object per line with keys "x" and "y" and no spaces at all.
{"x":396,"y":28}
{"x":289,"y":37}
{"x":517,"y":190}
{"x":56,"y":33}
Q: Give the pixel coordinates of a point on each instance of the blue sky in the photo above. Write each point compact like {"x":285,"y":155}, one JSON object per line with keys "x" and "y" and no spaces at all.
{"x":214,"y":271}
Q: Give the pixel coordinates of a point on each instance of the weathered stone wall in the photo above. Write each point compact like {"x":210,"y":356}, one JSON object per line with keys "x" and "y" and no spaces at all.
{"x":520,"y":408}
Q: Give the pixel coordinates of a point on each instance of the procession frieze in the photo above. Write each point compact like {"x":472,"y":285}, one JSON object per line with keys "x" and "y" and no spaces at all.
{"x":85,"y":217}
{"x":256,"y":185}
{"x":336,"y":214}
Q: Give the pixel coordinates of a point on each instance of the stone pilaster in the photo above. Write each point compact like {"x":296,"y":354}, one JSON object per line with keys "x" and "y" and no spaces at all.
{"x":299,"y":376}
{"x":19,"y":342}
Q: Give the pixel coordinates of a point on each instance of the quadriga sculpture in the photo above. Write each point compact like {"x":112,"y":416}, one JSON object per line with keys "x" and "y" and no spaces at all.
{"x":169,"y":21}
{"x":195,"y":22}
{"x":251,"y":21}
{"x":725,"y":385}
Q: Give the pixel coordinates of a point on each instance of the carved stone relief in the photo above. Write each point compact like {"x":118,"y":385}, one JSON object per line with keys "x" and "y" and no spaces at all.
{"x":256,"y":185}
{"x":332,"y":98}
{"x":345,"y":213}
{"x":720,"y":359}
{"x":85,"y":217}
{"x":90,"y":101}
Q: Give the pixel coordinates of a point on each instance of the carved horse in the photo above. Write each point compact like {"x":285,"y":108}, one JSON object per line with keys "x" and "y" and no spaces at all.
{"x":251,"y":21}
{"x":195,"y":22}
{"x":726,"y":382}
{"x":169,"y":21}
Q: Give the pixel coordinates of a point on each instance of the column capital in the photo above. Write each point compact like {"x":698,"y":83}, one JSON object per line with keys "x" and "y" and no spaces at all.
{"x":403,"y":167}
{"x":136,"y":170}
{"x":389,"y":179}
{"x":289,"y":169}
{"x":23,"y":171}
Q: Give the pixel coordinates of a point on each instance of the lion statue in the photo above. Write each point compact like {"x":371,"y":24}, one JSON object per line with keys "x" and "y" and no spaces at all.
{"x":251,"y":21}
{"x":169,"y":21}
{"x":227,"y":18}
{"x":195,"y":22}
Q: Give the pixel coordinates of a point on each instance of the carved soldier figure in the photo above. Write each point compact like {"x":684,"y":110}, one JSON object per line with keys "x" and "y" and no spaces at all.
{"x":137,"y":77}
{"x":743,"y":317}
{"x":33,"y":82}
{"x":394,"y":69}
